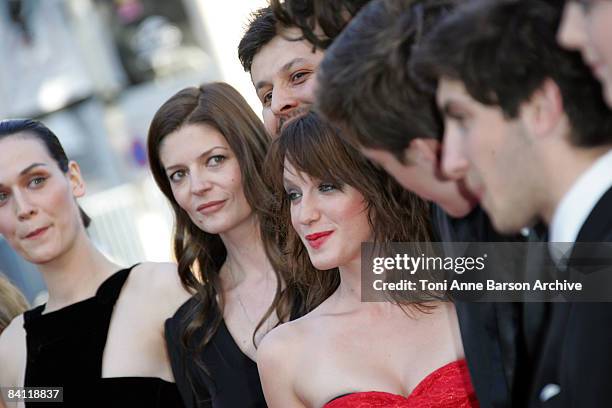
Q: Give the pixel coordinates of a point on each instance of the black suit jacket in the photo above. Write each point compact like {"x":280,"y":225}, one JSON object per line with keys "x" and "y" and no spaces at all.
{"x":494,"y":335}
{"x":575,"y":369}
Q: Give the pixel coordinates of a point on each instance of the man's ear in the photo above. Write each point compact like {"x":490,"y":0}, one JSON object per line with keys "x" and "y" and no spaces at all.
{"x":76,"y":179}
{"x":425,"y":149}
{"x":543,"y":113}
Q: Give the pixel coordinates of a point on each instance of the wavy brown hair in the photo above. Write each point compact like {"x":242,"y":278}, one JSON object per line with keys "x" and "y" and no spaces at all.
{"x":314,"y":147}
{"x":12,"y":302}
{"x":199,"y":254}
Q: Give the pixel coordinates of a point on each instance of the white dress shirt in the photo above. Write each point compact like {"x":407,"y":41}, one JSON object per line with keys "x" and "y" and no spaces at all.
{"x":576,"y":205}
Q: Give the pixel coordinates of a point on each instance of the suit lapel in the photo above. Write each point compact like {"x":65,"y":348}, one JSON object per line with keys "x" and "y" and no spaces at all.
{"x":598,"y":225}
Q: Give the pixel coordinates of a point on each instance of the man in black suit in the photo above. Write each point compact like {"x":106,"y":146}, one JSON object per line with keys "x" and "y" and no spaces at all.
{"x":382,"y":110}
{"x":527,"y":128}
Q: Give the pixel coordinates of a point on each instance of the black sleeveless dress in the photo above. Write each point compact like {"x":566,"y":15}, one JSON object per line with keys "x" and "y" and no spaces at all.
{"x":232,"y":379}
{"x":65,"y":348}
{"x":229,"y":379}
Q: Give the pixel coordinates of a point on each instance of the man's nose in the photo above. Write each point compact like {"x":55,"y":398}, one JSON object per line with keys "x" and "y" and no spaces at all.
{"x":283,"y":101}
{"x":454,"y":162}
{"x":572,"y":32}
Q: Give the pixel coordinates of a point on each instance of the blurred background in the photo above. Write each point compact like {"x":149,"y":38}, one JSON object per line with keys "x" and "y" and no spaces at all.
{"x":95,"y":72}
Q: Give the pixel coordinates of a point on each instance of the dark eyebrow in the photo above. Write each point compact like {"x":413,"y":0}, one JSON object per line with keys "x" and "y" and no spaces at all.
{"x":290,"y":185}
{"x":31,"y":167}
{"x":28,"y":169}
{"x":287,"y":181}
{"x":449,"y":110}
{"x":260,"y":85}
{"x":284,"y":68}
{"x":290,"y":64}
{"x":206,"y":153}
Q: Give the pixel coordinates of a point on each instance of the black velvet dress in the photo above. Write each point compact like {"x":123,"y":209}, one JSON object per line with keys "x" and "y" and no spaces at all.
{"x":65,"y":348}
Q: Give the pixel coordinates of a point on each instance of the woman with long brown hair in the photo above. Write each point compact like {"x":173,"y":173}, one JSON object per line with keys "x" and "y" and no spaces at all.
{"x":345,"y":352}
{"x":206,"y":148}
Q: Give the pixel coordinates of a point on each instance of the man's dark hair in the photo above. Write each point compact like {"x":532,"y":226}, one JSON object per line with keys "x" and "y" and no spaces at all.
{"x":329,"y":16}
{"x":261,"y":29}
{"x":503,"y":51}
{"x":365,"y":85}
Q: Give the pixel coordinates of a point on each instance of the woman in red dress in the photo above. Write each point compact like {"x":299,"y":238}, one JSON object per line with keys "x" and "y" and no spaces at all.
{"x":345,"y":352}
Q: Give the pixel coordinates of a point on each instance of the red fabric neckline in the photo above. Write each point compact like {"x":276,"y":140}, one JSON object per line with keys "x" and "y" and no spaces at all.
{"x":447,"y":386}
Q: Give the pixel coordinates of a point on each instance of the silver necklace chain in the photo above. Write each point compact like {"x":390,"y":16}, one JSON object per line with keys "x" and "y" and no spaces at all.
{"x":244,"y":310}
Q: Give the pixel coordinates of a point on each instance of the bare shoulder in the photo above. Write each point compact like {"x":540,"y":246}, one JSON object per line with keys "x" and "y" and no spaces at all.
{"x":293,"y":343}
{"x":278,"y":341}
{"x":286,"y":340}
{"x":158,"y":276}
{"x":12,"y":352}
{"x":160,"y":282}
{"x":277,"y":361}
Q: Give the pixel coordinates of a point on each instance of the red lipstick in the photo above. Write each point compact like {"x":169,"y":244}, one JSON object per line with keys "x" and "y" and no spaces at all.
{"x":318,"y":238}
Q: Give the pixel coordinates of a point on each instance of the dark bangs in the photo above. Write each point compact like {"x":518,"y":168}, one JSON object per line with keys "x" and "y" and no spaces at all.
{"x":314,"y":147}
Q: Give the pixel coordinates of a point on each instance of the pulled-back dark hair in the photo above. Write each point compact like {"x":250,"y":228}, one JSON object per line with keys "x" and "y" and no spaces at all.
{"x":261,"y":29}
{"x":504,"y":50}
{"x":313,"y":147}
{"x":371,"y":93}
{"x":330,"y":16}
{"x":34,"y":128}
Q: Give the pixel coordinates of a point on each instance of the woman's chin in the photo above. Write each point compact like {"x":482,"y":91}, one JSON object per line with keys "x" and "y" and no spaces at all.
{"x":323,"y":264}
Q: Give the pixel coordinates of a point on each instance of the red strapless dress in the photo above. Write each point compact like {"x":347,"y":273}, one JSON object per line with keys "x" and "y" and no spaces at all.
{"x":447,"y":387}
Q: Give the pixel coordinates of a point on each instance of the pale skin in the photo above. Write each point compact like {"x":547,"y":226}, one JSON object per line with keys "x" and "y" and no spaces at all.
{"x":587,"y":27}
{"x":203,"y":169}
{"x":345,"y":345}
{"x":42,"y":195}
